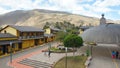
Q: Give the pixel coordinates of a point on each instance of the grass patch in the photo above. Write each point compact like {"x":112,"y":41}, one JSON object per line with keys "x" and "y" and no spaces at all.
{"x":72,"y":62}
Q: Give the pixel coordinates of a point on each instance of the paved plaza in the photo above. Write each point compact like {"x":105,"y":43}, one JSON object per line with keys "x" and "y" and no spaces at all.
{"x":101,"y":58}
{"x":35,"y":58}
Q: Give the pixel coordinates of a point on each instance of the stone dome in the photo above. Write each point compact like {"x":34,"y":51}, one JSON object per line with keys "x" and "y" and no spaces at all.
{"x":106,"y":34}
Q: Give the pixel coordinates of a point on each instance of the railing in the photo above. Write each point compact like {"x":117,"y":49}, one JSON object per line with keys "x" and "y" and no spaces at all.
{"x":30,"y":37}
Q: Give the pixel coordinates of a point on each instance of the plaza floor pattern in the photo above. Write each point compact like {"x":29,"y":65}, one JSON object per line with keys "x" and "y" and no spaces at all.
{"x":35,"y":63}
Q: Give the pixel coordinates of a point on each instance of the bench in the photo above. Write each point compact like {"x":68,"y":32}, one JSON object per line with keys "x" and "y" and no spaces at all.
{"x":89,"y":58}
{"x":87,"y":63}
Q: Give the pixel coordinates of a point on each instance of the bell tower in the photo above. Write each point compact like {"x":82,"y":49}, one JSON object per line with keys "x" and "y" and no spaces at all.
{"x":102,"y":20}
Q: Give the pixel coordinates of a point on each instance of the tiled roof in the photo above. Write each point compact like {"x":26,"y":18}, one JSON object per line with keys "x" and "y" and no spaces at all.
{"x":27,"y":28}
{"x":6,"y":35}
{"x":56,"y":29}
{"x":8,"y":42}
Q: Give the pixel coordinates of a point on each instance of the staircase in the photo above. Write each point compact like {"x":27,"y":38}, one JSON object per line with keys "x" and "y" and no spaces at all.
{"x":35,"y":64}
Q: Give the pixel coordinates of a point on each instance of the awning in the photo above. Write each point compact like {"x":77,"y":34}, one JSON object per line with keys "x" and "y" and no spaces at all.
{"x":8,"y":42}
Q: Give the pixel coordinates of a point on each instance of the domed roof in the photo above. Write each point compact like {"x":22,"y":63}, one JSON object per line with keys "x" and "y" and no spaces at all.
{"x":107,"y":33}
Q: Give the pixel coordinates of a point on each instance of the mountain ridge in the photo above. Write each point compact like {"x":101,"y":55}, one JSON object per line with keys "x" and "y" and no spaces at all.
{"x":38,"y":18}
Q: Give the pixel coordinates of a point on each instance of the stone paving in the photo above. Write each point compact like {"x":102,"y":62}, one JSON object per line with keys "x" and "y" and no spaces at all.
{"x":52,"y":59}
{"x":44,"y":59}
{"x":101,"y":58}
{"x":16,"y":62}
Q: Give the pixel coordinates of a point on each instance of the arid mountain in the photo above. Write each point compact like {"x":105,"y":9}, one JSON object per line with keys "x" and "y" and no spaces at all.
{"x":39,"y":17}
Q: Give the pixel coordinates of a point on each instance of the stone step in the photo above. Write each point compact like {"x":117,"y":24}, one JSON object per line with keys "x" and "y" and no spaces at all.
{"x":35,"y":63}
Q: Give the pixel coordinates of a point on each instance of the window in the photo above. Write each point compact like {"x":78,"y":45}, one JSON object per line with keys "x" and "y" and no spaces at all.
{"x":5,"y":31}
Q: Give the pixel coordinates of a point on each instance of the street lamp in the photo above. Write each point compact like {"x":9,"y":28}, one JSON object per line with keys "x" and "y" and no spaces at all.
{"x":66,"y":58}
{"x":10,"y":52}
{"x":49,"y":44}
{"x":91,"y":48}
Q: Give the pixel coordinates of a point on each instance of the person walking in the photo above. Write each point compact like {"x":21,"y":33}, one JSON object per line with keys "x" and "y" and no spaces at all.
{"x":113,"y":54}
{"x":117,"y":54}
{"x":49,"y":52}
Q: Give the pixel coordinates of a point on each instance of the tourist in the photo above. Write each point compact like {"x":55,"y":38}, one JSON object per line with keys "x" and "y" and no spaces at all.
{"x":113,"y":54}
{"x":49,"y":52}
{"x":117,"y":54}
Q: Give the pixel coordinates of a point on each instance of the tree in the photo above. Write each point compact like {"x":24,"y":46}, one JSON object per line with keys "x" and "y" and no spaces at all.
{"x":46,"y":25}
{"x":57,"y":25}
{"x":73,"y":41}
{"x":61,"y":35}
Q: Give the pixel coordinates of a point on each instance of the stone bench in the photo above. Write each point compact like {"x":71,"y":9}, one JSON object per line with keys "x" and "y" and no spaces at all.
{"x":89,"y":58}
{"x":87,"y":63}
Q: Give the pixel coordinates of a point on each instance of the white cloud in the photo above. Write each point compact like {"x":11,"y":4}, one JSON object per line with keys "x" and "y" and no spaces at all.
{"x":97,"y":8}
{"x":104,"y":5}
{"x":107,"y":3}
{"x":86,"y":13}
{"x":28,"y":4}
{"x":83,"y":7}
{"x":67,"y":4}
{"x":119,"y":12}
{"x":2,"y":11}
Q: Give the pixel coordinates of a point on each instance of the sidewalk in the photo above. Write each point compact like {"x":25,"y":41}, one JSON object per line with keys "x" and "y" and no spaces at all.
{"x":15,"y":62}
{"x":102,"y":57}
{"x":43,"y":61}
{"x":38,"y":59}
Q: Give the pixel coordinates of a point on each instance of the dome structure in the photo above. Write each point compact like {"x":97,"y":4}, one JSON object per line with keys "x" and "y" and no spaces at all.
{"x":107,"y":34}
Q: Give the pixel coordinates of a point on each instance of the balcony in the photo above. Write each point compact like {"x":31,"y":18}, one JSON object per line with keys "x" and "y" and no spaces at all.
{"x":30,"y":37}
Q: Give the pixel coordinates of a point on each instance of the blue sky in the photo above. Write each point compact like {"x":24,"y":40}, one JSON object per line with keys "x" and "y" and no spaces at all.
{"x":93,"y":8}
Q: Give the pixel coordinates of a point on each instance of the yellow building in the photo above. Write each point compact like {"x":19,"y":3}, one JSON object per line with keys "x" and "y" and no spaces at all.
{"x":80,"y":31}
{"x":6,"y":40}
{"x":30,"y":36}
{"x":47,"y":31}
{"x":49,"y":37}
{"x":51,"y":30}
{"x":22,"y":37}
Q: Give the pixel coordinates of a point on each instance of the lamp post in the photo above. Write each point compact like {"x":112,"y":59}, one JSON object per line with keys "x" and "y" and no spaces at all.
{"x":66,"y":58}
{"x":49,"y":45}
{"x":49,"y":52}
{"x":10,"y":52}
